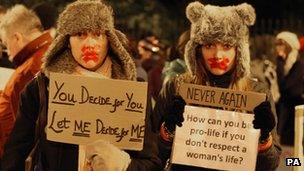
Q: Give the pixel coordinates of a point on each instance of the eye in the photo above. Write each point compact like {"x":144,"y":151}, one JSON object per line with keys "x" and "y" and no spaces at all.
{"x":227,"y":46}
{"x":81,"y":35}
{"x":209,"y":46}
{"x":97,"y":33}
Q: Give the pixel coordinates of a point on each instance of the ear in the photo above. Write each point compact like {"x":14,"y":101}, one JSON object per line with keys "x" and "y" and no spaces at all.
{"x":194,"y":11}
{"x":18,"y":37}
{"x":247,"y":13}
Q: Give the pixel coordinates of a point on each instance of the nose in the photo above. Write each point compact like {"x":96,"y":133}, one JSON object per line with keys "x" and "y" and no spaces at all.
{"x":90,"y":41}
{"x":219,"y":54}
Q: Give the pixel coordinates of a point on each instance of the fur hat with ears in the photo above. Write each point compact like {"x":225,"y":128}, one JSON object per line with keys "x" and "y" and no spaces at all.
{"x":83,"y":16}
{"x":220,"y":24}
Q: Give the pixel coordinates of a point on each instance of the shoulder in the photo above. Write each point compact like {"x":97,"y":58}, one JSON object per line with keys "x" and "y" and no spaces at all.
{"x":14,"y":80}
{"x":32,"y":88}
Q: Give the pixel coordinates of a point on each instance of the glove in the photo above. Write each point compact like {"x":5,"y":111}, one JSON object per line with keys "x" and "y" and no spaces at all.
{"x":264,"y":119}
{"x":102,"y":155}
{"x":175,"y":114}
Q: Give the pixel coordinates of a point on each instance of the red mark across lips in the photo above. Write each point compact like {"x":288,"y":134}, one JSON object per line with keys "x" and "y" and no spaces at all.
{"x":89,"y":53}
{"x":220,"y":64}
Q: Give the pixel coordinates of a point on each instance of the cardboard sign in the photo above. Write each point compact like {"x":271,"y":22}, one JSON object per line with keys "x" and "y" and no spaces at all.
{"x":220,"y":97}
{"x":216,"y":139}
{"x":299,"y":135}
{"x":84,"y":109}
{"x":5,"y":75}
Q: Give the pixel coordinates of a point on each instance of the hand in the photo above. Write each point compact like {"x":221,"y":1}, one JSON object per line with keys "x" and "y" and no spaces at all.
{"x":102,"y":155}
{"x":175,"y":113}
{"x":264,"y":119}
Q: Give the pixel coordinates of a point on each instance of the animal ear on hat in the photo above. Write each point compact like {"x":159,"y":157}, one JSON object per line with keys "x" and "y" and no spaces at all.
{"x":194,"y":11}
{"x":247,"y":13}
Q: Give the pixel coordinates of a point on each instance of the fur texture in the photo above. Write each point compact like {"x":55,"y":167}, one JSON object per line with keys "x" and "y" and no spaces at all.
{"x":220,"y":24}
{"x":83,"y":16}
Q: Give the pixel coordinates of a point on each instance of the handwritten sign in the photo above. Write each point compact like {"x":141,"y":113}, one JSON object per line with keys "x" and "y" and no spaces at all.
{"x":84,"y":109}
{"x":220,"y":97}
{"x":299,"y":135}
{"x":216,"y":139}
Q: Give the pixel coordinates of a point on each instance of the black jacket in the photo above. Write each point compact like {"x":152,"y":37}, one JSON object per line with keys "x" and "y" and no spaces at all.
{"x":292,"y":94}
{"x":60,"y":156}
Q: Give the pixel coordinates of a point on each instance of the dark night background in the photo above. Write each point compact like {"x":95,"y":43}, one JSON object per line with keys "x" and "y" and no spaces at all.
{"x":166,"y":18}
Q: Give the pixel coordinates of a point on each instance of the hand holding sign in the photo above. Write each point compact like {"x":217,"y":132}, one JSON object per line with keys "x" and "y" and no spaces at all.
{"x":104,"y":156}
{"x":175,"y":113}
{"x":264,"y":119}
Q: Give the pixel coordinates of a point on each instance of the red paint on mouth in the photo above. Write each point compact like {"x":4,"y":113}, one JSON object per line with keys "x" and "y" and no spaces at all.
{"x":220,"y":64}
{"x":89,"y":53}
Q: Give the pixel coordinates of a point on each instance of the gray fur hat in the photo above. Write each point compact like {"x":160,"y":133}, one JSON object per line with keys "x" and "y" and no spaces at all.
{"x":220,"y":24}
{"x":82,"y":16}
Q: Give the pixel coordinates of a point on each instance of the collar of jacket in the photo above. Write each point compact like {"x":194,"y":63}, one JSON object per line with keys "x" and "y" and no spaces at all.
{"x":26,"y":52}
{"x":222,"y":81}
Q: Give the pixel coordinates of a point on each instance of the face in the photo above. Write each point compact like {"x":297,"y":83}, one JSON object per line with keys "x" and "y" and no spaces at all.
{"x":218,"y":58}
{"x":89,"y":49}
{"x":282,"y":48}
{"x":144,"y":54}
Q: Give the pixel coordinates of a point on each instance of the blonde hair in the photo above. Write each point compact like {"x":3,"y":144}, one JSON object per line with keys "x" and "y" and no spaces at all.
{"x":19,"y":18}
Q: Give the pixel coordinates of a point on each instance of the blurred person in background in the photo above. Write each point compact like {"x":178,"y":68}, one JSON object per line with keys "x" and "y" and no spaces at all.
{"x":262,"y":67}
{"x":148,"y":50}
{"x":175,"y":63}
{"x":141,"y":73}
{"x":290,"y":73}
{"x":22,"y":33}
{"x":152,"y":56}
{"x":4,"y":62}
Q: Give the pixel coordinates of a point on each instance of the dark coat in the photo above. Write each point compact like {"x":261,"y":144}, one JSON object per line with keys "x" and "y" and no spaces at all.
{"x":292,"y":94}
{"x":61,"y":156}
{"x":266,"y":161}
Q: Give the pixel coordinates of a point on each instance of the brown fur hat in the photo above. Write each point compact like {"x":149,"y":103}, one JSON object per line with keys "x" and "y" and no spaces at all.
{"x":82,"y":16}
{"x":220,"y":24}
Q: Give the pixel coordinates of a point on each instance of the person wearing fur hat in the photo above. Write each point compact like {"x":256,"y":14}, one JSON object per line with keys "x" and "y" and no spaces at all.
{"x":217,"y":55}
{"x":290,"y":72}
{"x":86,"y":44}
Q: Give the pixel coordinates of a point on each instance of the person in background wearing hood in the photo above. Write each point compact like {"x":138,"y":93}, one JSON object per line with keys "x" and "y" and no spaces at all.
{"x":290,"y":72}
{"x":86,"y":44}
{"x":22,"y":33}
{"x":217,"y":55}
